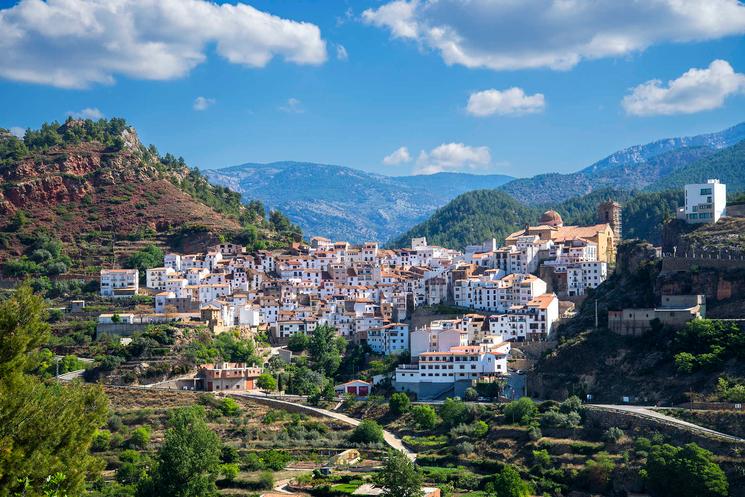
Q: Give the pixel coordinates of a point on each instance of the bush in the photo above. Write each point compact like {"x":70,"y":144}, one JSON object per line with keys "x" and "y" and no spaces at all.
{"x":229,"y":407}
{"x":424,"y":416}
{"x":399,"y":403}
{"x":465,"y":448}
{"x":613,"y":434}
{"x":687,"y":471}
{"x":368,"y":431}
{"x":521,"y":411}
{"x":556,"y":419}
{"x":140,"y":437}
{"x":298,"y":342}
{"x":266,"y":480}
{"x":453,"y":412}
{"x":470,"y":394}
{"x":597,"y":472}
{"x":229,"y":471}
{"x":101,"y":441}
{"x":509,"y":484}
{"x":541,"y":458}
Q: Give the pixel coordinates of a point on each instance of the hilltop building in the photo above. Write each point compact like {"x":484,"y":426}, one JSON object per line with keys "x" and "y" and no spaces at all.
{"x":704,"y":202}
{"x":610,"y":212}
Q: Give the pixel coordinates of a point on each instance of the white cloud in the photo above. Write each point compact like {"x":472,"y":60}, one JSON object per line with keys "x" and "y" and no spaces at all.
{"x":511,"y":101}
{"x":453,"y":157}
{"x":512,"y":34}
{"x":17,"y":131}
{"x":398,"y":156}
{"x":341,"y":52}
{"x":76,"y":43}
{"x":695,"y":91}
{"x":293,"y":106}
{"x":87,"y":113}
{"x":203,"y":103}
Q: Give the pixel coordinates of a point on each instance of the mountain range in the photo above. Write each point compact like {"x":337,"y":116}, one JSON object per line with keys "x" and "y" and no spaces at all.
{"x":344,"y":203}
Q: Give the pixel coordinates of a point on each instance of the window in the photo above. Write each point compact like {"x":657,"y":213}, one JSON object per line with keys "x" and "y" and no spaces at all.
{"x":705,"y":191}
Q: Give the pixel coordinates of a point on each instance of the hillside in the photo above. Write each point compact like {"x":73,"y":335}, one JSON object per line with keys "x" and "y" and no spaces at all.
{"x":344,"y":203}
{"x":95,"y":187}
{"x":633,"y":168}
{"x":727,"y":165}
{"x":664,"y":365}
{"x":479,"y":215}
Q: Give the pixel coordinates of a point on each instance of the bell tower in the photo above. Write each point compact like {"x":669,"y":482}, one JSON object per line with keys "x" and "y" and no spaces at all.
{"x":610,"y":212}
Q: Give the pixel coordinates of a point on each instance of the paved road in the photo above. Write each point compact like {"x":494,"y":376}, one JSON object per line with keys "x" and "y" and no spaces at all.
{"x":651,"y":412}
{"x":71,"y":375}
{"x":389,"y":437}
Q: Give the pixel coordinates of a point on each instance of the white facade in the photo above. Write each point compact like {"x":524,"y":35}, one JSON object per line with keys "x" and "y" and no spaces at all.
{"x":705,"y":202}
{"x":119,"y":282}
{"x":392,"y":339}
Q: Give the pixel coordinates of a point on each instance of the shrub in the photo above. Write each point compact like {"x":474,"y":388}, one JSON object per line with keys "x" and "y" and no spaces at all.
{"x":424,"y":416}
{"x":229,"y":407}
{"x":368,"y":431}
{"x":465,"y":448}
{"x":101,"y":440}
{"x":509,"y":484}
{"x":613,"y":434}
{"x":521,"y":411}
{"x":453,"y":412}
{"x":230,"y":471}
{"x":399,"y":403}
{"x":687,"y":471}
{"x":597,"y":472}
{"x":470,"y":394}
{"x":541,"y":458}
{"x":556,"y":419}
{"x":266,"y":480}
{"x":140,"y":437}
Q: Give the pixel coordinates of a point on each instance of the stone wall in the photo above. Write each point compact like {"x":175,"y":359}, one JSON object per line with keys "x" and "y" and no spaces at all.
{"x":636,"y":424}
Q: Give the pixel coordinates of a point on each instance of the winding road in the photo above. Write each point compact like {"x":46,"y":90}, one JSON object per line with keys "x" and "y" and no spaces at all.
{"x":652,"y":413}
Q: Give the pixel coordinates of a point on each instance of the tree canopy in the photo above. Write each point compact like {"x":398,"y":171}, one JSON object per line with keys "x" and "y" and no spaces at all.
{"x":398,"y":477}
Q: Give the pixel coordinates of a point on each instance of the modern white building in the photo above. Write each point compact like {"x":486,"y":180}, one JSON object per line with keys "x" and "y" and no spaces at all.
{"x":442,"y":374}
{"x":119,"y":282}
{"x":705,"y":202}
{"x":391,"y":339}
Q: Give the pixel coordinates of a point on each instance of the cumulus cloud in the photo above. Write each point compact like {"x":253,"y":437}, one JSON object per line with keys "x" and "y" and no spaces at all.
{"x":341,"y":52}
{"x":511,"y":101}
{"x":76,"y":43}
{"x":87,"y":113}
{"x":552,"y":33}
{"x":453,"y":157}
{"x":695,"y":91}
{"x":203,"y":103}
{"x":398,"y":156}
{"x":293,"y":106}
{"x":17,"y":131}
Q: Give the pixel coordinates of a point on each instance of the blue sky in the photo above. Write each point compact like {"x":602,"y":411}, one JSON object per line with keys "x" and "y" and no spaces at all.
{"x":400,"y":85}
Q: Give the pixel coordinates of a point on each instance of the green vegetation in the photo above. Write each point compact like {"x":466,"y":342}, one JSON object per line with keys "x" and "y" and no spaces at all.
{"x":480,"y":215}
{"x":367,"y":432}
{"x":726,"y":165}
{"x":705,"y":344}
{"x":43,"y":256}
{"x":424,"y":417}
{"x":398,"y":476}
{"x":188,"y":462}
{"x":399,"y":404}
{"x":521,"y":411}
{"x":45,"y":428}
{"x":508,"y":484}
{"x":687,"y":471}
{"x":147,"y":257}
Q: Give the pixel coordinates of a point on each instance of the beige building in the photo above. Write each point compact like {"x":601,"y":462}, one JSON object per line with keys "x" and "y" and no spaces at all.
{"x":674,"y":311}
{"x":551,"y":227}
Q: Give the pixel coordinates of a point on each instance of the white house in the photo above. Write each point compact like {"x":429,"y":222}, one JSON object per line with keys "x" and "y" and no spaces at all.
{"x":119,"y":282}
{"x":705,"y":202}
{"x":389,"y":340}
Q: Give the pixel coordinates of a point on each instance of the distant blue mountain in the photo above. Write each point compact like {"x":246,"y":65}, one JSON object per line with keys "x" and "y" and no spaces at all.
{"x":344,"y":203}
{"x":632,"y":168}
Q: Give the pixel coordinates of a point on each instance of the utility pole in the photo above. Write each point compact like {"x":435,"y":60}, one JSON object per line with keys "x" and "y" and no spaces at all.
{"x":596,"y":314}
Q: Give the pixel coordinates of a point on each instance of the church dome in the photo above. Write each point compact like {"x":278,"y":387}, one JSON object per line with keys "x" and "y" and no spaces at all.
{"x":551,"y":218}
